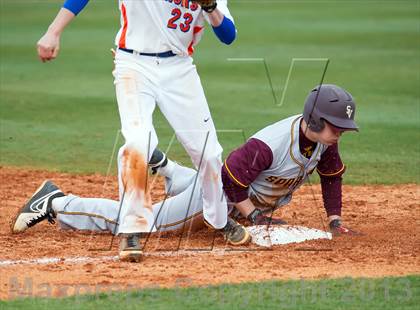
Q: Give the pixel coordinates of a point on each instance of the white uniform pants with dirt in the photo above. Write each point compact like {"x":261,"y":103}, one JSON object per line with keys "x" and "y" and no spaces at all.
{"x":98,"y":214}
{"x":173,"y":84}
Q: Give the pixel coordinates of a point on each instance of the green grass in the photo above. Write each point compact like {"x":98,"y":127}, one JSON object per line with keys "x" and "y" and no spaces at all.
{"x":63,"y":115}
{"x":346,"y":293}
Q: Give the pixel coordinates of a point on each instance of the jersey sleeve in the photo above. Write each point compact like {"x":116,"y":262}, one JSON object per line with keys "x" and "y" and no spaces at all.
{"x":243,"y":166}
{"x":330,"y":164}
{"x":332,"y":194}
{"x":226,"y":31}
{"x":75,"y":6}
{"x":330,"y":169}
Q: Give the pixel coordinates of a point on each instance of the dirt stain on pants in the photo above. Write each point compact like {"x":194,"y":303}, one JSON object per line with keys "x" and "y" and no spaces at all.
{"x":134,"y":177}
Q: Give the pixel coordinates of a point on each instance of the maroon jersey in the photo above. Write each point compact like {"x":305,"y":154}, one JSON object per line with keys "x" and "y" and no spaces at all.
{"x":246,"y":163}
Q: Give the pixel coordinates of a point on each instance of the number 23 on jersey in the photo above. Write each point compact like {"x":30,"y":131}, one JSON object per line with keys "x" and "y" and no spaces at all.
{"x":183,"y":21}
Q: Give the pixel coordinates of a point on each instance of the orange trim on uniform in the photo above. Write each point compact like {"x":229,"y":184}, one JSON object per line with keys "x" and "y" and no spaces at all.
{"x":191,"y":48}
{"x":122,"y":43}
{"x":332,"y":174}
{"x":233,"y":177}
{"x":196,"y":30}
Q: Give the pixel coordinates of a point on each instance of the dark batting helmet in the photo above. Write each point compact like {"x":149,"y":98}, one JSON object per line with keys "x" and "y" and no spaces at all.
{"x":331,"y":103}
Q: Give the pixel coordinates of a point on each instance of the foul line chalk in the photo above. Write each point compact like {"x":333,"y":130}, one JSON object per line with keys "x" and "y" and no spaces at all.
{"x":87,"y":259}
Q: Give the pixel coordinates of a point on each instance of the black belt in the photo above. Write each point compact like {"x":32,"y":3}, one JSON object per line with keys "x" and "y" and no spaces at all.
{"x":159,"y":55}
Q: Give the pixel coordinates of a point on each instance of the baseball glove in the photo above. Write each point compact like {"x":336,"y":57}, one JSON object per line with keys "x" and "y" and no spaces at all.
{"x":207,"y":5}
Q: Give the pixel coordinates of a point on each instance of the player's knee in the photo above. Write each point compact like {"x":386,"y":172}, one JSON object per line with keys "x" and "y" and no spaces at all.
{"x":131,"y":150}
{"x":212,"y":158}
{"x":143,"y":144}
{"x":212,"y":154}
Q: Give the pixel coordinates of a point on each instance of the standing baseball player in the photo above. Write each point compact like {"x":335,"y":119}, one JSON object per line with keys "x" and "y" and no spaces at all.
{"x":258,"y":177}
{"x":153,"y":65}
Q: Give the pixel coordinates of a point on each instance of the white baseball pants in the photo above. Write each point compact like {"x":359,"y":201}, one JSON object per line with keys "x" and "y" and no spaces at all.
{"x":96,"y":214}
{"x":173,"y":84}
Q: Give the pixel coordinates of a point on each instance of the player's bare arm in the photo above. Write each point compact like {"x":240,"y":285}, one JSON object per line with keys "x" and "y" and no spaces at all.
{"x":246,"y":207}
{"x":48,"y":46}
{"x":216,"y":18}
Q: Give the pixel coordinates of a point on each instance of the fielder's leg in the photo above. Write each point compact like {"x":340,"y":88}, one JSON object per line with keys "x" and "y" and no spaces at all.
{"x":196,"y":131}
{"x":136,"y":103}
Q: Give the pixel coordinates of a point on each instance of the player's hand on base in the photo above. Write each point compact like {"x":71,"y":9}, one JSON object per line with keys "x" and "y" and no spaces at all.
{"x":48,"y":47}
{"x":338,"y":229}
{"x":257,"y":217}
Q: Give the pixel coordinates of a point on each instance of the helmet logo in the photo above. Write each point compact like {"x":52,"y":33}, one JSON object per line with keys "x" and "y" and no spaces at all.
{"x":349,"y":111}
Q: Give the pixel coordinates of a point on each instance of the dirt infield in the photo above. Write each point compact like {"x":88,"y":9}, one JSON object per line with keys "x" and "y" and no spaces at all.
{"x":80,"y":262}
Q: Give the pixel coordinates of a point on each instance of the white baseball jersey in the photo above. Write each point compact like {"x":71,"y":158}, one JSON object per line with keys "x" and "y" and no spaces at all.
{"x":289,"y":168}
{"x":155,"y":26}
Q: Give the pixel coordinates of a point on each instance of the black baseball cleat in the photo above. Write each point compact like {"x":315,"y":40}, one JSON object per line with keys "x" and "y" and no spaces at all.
{"x":157,"y":160}
{"x":38,"y":208}
{"x":130,"y":248}
{"x":234,"y":233}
